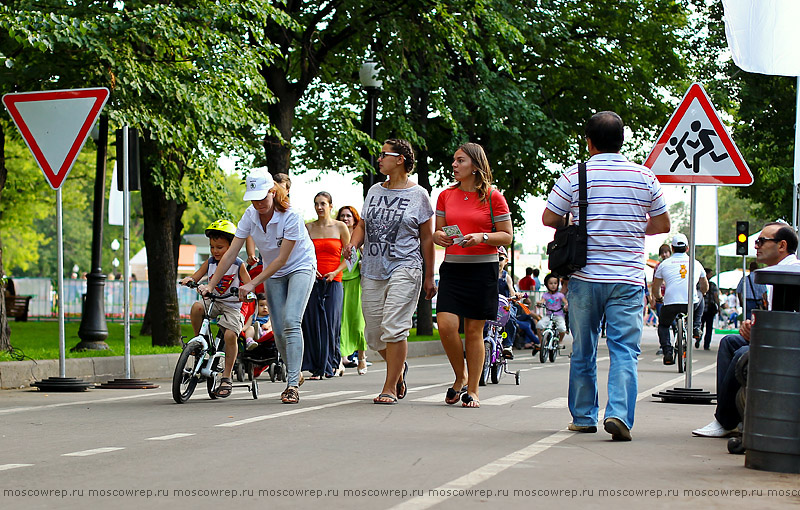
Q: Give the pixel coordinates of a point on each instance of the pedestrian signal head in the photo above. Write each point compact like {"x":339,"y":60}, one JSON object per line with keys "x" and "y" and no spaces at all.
{"x":742,"y":231}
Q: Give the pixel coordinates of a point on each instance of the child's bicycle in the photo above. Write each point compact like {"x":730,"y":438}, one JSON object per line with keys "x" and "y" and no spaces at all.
{"x":679,"y":329}
{"x":203,"y":358}
{"x":494,"y":363}
{"x":550,"y":343}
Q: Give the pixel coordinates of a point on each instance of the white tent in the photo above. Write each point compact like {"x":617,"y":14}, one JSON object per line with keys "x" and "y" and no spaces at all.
{"x":728,"y":279}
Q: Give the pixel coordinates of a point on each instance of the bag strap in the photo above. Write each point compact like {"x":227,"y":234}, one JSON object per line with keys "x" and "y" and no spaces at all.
{"x":491,"y":212}
{"x":583,"y":200}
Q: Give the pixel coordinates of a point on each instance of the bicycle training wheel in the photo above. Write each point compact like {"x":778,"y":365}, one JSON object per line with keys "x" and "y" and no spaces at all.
{"x":680,"y":347}
{"x":183,"y":382}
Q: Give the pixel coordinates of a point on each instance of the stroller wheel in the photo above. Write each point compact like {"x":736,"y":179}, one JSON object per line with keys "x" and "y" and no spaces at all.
{"x":239,"y":371}
{"x":516,"y":377}
{"x":271,"y":371}
{"x":254,"y":389}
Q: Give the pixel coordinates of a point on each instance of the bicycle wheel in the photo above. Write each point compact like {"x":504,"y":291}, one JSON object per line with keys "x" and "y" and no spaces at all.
{"x":183,"y":382}
{"x":487,"y":359}
{"x":216,"y":375}
{"x":554,"y":351}
{"x":680,"y":347}
{"x":545,"y":345}
{"x":497,"y":371}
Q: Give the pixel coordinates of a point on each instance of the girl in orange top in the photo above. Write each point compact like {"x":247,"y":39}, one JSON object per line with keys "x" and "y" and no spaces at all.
{"x":322,"y":319}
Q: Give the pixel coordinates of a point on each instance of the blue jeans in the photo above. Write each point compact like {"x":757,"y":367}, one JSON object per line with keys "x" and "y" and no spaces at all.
{"x":622,"y":306}
{"x":731,"y":348}
{"x":287,"y":297}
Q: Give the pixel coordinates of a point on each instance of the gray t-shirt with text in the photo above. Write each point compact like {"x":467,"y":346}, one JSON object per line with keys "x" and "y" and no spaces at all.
{"x":392,"y":218}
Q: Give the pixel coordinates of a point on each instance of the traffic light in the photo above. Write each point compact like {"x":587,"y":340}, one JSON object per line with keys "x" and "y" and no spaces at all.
{"x":742,"y":231}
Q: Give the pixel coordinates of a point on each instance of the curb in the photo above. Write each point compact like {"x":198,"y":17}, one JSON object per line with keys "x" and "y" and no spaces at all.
{"x":20,"y":374}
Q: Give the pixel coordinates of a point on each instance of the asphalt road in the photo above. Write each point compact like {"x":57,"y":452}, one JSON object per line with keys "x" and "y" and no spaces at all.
{"x":336,"y":449}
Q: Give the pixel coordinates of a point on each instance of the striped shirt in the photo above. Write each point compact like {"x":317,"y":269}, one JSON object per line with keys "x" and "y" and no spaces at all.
{"x":621,"y":194}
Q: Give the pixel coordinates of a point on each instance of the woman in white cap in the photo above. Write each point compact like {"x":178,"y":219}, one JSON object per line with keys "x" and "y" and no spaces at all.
{"x":290,"y":267}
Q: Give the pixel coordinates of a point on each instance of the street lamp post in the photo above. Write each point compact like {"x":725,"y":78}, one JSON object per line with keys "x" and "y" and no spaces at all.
{"x":372,"y":85}
{"x":93,"y":330}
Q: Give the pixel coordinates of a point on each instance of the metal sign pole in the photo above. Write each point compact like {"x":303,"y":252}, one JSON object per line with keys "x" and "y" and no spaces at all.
{"x":692,"y":290}
{"x":62,"y":361}
{"x":796,"y":181}
{"x":126,"y":241}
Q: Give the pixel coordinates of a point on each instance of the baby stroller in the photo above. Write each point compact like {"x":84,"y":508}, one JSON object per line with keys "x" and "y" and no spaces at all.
{"x":265,"y":357}
{"x":494,"y":363}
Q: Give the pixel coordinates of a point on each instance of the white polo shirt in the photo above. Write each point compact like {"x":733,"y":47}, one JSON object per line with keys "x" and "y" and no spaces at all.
{"x":675,"y":273}
{"x":283,"y":225}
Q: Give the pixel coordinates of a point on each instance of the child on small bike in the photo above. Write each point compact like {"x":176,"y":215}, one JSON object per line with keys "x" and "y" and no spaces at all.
{"x":228,"y":311}
{"x":555,"y":304}
{"x":261,"y":321}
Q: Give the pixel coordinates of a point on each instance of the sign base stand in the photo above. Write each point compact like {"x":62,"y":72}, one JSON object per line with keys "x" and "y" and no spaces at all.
{"x":128,"y":384}
{"x":63,"y":384}
{"x":686,"y":396}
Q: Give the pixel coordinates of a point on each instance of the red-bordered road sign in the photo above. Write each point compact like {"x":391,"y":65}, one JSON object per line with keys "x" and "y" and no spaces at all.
{"x":55,"y":125}
{"x":695,"y":147}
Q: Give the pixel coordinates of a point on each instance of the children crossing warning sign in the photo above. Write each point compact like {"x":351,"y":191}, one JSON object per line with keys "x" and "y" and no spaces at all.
{"x":695,"y":148}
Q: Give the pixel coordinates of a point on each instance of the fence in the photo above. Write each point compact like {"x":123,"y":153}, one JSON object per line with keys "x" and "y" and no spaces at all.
{"x":45,"y":297}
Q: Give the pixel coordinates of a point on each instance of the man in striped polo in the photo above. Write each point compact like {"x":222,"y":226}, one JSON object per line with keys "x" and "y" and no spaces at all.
{"x":625,"y":204}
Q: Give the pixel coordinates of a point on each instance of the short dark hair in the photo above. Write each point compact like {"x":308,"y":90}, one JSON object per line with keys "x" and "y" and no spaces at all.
{"x":680,"y":249}
{"x":605,"y":130}
{"x":261,"y":296}
{"x":216,"y":234}
{"x":785,"y":233}
{"x":528,"y":271}
{"x":536,"y":272}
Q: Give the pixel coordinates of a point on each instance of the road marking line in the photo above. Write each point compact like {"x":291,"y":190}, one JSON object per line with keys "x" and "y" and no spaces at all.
{"x":420,"y":388}
{"x":284,"y":413}
{"x":81,"y":402}
{"x":326,"y":395}
{"x":171,"y":436}
{"x":496,"y":467}
{"x":95,"y":451}
{"x":556,"y":403}
{"x":501,"y":400}
{"x":430,"y":398}
{"x":260,"y":395}
{"x":6,"y":467}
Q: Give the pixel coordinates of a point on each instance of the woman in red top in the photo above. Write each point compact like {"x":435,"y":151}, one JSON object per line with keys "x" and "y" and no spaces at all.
{"x":322,"y":319}
{"x":468,"y":276}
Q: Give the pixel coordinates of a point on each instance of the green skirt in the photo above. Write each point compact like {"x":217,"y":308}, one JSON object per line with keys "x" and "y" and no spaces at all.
{"x":352,"y":319}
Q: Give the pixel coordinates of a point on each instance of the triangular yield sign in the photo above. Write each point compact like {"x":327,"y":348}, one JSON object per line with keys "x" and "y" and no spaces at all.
{"x":695,"y":148}
{"x":55,"y":125}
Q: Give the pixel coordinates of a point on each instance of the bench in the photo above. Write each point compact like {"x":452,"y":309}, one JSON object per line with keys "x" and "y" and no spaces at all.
{"x":17,"y":307}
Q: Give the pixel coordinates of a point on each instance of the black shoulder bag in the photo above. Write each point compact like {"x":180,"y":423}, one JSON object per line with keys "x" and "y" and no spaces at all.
{"x":567,"y":251}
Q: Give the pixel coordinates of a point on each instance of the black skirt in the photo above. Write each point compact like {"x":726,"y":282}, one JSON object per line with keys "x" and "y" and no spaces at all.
{"x":468,"y":290}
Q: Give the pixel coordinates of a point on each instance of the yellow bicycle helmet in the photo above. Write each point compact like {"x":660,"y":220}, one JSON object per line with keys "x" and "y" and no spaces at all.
{"x":224,"y":227}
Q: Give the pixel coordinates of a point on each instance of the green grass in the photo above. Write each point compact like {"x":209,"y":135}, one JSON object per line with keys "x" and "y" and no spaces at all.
{"x":414,"y":338}
{"x":39,"y":340}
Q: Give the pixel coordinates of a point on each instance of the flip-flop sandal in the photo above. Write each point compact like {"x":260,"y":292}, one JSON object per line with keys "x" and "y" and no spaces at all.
{"x":402,"y":387}
{"x":385,"y":398}
{"x":225,"y":388}
{"x":454,"y":396}
{"x":290,"y":395}
{"x":469,"y":402}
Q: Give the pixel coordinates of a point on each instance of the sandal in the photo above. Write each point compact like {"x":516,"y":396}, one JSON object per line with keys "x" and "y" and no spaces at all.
{"x":468,"y":400}
{"x":290,"y":395}
{"x":402,"y":387}
{"x":454,"y":396}
{"x":385,"y":398}
{"x":362,"y":367}
{"x":225,"y":388}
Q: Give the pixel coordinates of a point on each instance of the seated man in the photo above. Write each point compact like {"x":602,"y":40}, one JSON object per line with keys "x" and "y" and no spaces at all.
{"x":776,"y":245}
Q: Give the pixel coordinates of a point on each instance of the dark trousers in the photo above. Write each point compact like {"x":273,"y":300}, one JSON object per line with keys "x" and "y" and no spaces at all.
{"x":708,"y":321}
{"x":668,"y":314}
{"x":731,"y":348}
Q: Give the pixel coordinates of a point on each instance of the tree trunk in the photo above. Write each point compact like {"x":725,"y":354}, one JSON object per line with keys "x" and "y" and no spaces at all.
{"x":162,"y":237}
{"x":278,"y":149}
{"x":5,"y":330}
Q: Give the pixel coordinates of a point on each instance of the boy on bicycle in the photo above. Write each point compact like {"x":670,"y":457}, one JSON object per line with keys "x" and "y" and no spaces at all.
{"x":555,"y":304}
{"x":229,"y":311}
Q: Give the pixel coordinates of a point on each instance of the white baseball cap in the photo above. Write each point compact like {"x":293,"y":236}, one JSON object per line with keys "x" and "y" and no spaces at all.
{"x":257,"y":185}
{"x":679,"y":241}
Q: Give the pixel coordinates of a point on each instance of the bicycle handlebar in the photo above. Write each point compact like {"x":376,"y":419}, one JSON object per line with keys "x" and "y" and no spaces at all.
{"x":234,"y":292}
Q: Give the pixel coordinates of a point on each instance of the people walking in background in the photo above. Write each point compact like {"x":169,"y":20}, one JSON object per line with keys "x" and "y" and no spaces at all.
{"x":468,"y":276}
{"x":526,"y":283}
{"x":710,"y":310}
{"x":322,"y":320}
{"x":612,"y":282}
{"x":352,"y":339}
{"x":287,"y":251}
{"x":396,"y":232}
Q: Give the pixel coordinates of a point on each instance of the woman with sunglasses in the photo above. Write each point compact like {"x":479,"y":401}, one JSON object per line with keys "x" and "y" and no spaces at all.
{"x":396,"y":232}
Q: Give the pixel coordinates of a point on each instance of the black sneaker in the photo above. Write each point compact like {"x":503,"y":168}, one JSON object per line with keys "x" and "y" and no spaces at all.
{"x":669,"y":359}
{"x":697,"y":343}
{"x":696,"y":334}
{"x":507,"y":353}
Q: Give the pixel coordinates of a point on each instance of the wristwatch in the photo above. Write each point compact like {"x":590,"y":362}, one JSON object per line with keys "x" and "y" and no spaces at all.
{"x":485,"y":237}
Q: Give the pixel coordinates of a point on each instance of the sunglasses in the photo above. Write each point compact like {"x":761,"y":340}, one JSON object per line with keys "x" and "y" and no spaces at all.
{"x":761,"y":240}
{"x":384,"y":154}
